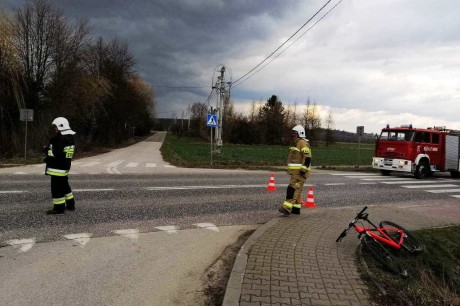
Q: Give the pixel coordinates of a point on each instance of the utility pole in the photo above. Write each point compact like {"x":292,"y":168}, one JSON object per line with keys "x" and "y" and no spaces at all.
{"x":223,"y":96}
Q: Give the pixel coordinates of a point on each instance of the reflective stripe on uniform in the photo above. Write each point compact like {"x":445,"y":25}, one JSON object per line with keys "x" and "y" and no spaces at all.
{"x":69,"y":151}
{"x":294,"y":166}
{"x":294,"y":149}
{"x":58,"y":201}
{"x":69,"y":196}
{"x":297,"y":205}
{"x":56,"y":172}
{"x":288,"y":205}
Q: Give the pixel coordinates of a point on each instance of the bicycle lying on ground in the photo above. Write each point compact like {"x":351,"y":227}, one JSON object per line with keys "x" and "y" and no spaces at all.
{"x":383,"y":241}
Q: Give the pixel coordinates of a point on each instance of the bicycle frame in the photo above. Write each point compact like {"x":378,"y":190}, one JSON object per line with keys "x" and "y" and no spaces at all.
{"x":381,"y":236}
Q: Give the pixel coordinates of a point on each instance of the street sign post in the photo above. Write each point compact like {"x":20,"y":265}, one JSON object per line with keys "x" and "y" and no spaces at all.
{"x":26,"y":114}
{"x":211,"y":121}
{"x":360,"y":132}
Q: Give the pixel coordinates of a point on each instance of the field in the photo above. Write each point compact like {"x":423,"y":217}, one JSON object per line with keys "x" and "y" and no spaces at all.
{"x":188,"y":152}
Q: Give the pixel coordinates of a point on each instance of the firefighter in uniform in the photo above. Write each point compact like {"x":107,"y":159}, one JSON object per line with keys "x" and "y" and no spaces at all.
{"x":59,"y":153}
{"x":299,"y":160}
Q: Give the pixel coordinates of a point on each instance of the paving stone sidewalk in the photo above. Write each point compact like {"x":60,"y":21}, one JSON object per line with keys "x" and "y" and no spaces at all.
{"x":295,"y":260}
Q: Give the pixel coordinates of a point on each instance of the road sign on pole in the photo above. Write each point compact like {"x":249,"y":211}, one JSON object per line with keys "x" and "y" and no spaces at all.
{"x":211,"y":120}
{"x":26,"y":114}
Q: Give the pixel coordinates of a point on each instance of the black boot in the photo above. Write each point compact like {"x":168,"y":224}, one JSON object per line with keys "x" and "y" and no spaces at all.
{"x":57,"y":209}
{"x":70,"y":204}
{"x":295,"y":211}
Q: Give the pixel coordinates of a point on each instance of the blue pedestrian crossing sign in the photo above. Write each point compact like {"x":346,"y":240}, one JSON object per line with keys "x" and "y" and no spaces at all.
{"x":211,"y":120}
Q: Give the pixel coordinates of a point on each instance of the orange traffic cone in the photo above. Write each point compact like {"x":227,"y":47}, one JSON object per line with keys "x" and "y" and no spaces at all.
{"x":271,"y":183}
{"x":310,"y":202}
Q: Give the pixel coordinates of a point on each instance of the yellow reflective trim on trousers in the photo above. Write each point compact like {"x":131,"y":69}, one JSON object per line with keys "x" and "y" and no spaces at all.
{"x":56,"y":173}
{"x":297,"y":205}
{"x":69,"y":196}
{"x":294,"y":149}
{"x":287,"y":204}
{"x":59,"y":201}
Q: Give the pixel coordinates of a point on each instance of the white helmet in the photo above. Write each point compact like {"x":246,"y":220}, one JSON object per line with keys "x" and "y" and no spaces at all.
{"x":300,"y":131}
{"x":63,"y":126}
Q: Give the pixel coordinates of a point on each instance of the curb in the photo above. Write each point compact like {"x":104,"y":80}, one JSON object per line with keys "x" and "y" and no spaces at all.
{"x":235,"y":281}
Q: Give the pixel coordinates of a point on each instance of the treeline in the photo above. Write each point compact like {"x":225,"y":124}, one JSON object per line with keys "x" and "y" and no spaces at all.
{"x":56,"y":68}
{"x":269,"y":123}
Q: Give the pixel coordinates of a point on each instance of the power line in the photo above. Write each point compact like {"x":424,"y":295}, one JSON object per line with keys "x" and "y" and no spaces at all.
{"x":282,"y":51}
{"x":295,"y":33}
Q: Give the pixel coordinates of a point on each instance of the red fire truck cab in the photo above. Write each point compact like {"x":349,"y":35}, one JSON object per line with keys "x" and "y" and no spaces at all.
{"x":417,"y":151}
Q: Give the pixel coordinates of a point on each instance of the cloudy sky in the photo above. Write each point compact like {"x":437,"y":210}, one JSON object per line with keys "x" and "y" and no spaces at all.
{"x":371,"y":63}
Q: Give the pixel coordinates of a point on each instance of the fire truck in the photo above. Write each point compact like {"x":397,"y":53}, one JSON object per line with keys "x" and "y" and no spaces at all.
{"x":417,"y":151}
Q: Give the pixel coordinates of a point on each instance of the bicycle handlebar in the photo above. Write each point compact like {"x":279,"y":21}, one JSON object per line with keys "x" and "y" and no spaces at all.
{"x":360,"y":215}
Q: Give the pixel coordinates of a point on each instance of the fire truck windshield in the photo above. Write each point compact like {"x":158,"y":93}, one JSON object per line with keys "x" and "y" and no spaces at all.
{"x":397,"y":135}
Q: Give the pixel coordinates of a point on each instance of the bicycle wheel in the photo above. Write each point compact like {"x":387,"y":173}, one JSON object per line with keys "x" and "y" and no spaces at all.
{"x":380,"y":253}
{"x":410,"y":243}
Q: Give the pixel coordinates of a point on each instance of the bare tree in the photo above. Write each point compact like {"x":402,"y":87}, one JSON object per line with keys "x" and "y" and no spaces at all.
{"x":312,"y":121}
{"x":329,"y":122}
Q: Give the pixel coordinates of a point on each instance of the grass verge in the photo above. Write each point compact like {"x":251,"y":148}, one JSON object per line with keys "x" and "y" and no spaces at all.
{"x":192,"y":153}
{"x":434,"y":275}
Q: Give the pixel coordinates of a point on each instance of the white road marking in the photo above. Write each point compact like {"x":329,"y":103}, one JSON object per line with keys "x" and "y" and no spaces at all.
{"x":12,"y":191}
{"x":170,"y":166}
{"x":334,"y":184}
{"x":132,"y":233}
{"x":91,"y":164}
{"x":409,"y":182}
{"x":431,"y":186}
{"x":368,"y":183}
{"x":20,"y":173}
{"x":112,"y":167}
{"x":211,"y":187}
{"x":25,"y":244}
{"x":132,"y":165}
{"x":443,"y":190}
{"x":208,"y":226}
{"x":150,"y":165}
{"x":353,"y":174}
{"x":99,"y":189}
{"x":456,"y":196}
{"x":385,"y":179}
{"x":170,"y":229}
{"x":81,"y":238}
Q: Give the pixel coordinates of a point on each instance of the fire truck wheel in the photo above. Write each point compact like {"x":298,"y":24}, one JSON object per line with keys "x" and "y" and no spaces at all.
{"x":455,"y":174}
{"x":422,"y":170}
{"x":385,"y":172}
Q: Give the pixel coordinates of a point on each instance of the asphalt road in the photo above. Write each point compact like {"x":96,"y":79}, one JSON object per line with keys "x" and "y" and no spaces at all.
{"x":144,"y":232}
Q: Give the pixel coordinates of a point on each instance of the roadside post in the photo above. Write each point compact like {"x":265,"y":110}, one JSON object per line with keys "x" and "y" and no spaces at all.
{"x":211,"y":121}
{"x":26,"y":114}
{"x":360,"y":132}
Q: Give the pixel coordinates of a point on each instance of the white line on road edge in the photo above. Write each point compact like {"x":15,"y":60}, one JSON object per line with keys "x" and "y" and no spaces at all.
{"x":132,"y":165}
{"x":101,"y":189}
{"x":443,"y":190}
{"x":430,"y":186}
{"x":12,"y":191}
{"x":456,"y":196}
{"x":211,"y":187}
{"x":132,"y":233}
{"x":150,"y":165}
{"x":409,"y":182}
{"x":208,"y":226}
{"x":25,"y":244}
{"x":170,"y":229}
{"x":20,"y":173}
{"x":81,"y":238}
{"x":335,"y":184}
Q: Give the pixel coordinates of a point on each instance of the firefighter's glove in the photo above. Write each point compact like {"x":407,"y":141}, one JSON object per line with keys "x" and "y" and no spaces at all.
{"x":307,"y":162}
